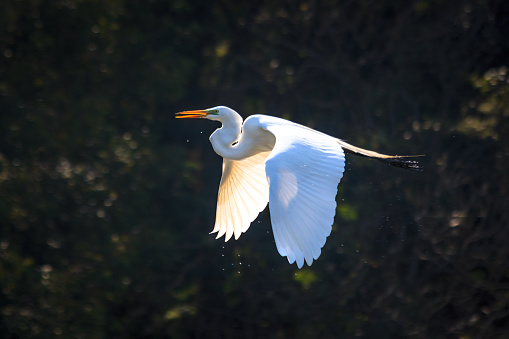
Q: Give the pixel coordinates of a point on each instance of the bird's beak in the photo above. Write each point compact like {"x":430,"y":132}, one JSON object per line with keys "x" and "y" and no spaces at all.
{"x":192,"y":114}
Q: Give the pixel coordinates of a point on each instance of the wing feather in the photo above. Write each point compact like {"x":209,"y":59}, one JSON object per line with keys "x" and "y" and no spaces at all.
{"x":303,"y":171}
{"x":243,"y":194}
{"x":298,"y":178}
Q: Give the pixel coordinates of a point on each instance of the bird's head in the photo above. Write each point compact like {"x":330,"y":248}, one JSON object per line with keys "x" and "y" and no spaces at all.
{"x":219,"y":113}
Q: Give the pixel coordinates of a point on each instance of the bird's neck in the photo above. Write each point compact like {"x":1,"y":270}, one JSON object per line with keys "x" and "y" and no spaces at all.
{"x":224,"y":138}
{"x":232,"y":143}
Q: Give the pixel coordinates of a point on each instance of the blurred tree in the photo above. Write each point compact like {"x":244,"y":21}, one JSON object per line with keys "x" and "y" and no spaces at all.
{"x":105,"y":200}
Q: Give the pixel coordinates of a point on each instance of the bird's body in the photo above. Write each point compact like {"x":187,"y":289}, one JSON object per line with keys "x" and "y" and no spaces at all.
{"x":293,"y":168}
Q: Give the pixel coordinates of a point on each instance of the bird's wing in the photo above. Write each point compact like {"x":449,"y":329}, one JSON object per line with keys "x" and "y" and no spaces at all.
{"x":243,"y":193}
{"x":303,"y":170}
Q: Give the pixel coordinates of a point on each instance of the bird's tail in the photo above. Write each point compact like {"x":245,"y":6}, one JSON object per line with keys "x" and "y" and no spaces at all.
{"x":394,"y":160}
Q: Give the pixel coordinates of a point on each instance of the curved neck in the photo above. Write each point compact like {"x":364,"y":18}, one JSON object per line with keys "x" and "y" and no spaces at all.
{"x":236,"y":141}
{"x":232,"y":143}
{"x":226,"y":141}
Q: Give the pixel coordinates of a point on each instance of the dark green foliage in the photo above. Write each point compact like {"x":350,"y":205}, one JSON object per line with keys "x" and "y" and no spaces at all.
{"x":106,"y":200}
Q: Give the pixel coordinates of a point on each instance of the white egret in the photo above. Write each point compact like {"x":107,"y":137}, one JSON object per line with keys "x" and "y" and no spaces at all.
{"x":293,"y":168}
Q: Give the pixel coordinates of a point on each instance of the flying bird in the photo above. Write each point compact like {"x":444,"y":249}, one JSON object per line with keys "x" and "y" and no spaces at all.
{"x":293,"y":168}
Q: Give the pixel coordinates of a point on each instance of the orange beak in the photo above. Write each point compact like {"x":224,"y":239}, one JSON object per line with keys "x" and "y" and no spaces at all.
{"x":191,"y":114}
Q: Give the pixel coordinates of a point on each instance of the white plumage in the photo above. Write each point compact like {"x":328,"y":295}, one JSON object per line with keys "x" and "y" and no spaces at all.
{"x":292,"y":167}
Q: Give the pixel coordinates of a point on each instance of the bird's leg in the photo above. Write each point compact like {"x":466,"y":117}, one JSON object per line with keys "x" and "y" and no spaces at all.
{"x":394,"y":160}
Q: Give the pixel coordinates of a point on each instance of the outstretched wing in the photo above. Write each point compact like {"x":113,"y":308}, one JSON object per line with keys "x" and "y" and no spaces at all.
{"x":303,"y":170}
{"x":243,"y":194}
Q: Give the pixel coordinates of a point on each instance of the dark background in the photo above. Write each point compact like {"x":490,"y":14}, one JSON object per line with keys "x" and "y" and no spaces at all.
{"x":106,"y":200}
